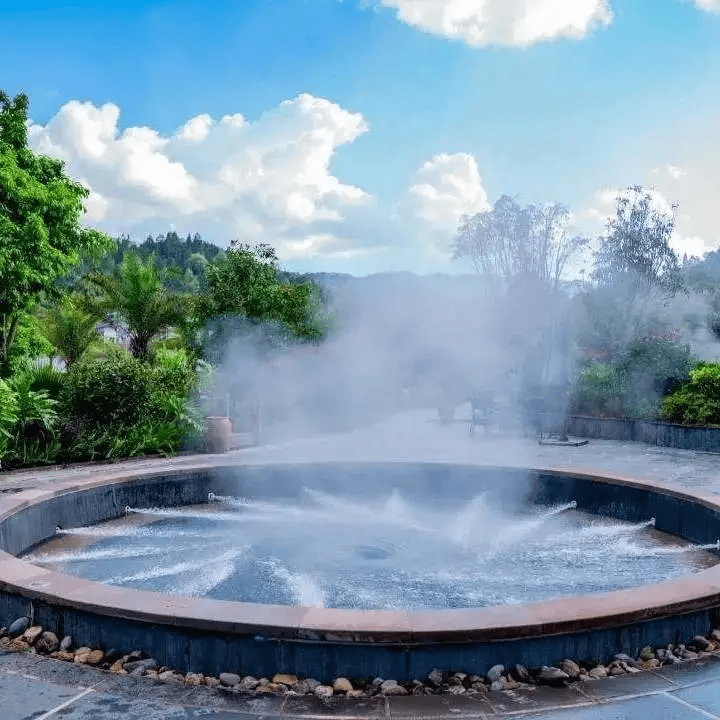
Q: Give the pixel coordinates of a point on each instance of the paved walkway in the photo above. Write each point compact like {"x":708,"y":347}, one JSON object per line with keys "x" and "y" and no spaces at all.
{"x":34,"y":688}
{"x":37,"y":688}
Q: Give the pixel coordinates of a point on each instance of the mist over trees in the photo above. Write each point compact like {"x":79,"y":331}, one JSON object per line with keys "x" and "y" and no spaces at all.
{"x":330,"y":351}
{"x":511,"y":241}
{"x":623,"y":329}
{"x":637,"y":350}
{"x":522,"y":254}
{"x":635,"y":253}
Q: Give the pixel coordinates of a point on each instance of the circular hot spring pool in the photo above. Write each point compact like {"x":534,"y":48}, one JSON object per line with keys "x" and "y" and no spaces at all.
{"x":362,"y":569}
{"x":397,"y":548}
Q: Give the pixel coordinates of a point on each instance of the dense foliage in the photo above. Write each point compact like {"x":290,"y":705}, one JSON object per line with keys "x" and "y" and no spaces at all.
{"x":117,"y":405}
{"x":242,"y":291}
{"x":181,"y":263}
{"x":697,"y":400}
{"x":634,"y":383}
{"x":69,"y":328}
{"x":40,"y":233}
{"x":136,"y":298}
{"x":67,"y":393}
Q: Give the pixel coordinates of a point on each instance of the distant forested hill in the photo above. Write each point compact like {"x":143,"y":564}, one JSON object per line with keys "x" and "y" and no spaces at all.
{"x":168,"y":249}
{"x":183,"y":260}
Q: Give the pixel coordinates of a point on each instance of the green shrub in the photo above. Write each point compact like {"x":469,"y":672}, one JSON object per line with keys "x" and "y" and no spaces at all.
{"x":634,"y":384}
{"x":596,"y":389}
{"x":696,"y":401}
{"x":111,"y":390}
{"x":174,"y":381}
{"x":172,"y":373}
{"x":648,"y":370}
{"x":109,"y":442}
{"x":119,"y":406}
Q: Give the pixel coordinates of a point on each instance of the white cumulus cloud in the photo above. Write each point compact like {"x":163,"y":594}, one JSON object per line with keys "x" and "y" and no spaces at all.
{"x":504,"y":22}
{"x":262,"y":181}
{"x":266,"y":180}
{"x":595,"y":217}
{"x":443,"y":189}
{"x":676,"y":172}
{"x":692,"y":246}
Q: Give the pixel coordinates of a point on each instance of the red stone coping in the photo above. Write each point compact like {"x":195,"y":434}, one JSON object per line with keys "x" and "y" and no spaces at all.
{"x":691,"y":593}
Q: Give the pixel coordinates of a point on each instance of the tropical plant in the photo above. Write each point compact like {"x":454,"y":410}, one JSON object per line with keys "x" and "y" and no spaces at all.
{"x":136,"y":297}
{"x":48,"y":379}
{"x":8,"y":416}
{"x":33,"y":436}
{"x":70,"y":328}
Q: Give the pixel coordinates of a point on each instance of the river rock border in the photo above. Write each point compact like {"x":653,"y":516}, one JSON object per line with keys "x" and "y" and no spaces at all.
{"x":21,"y":637}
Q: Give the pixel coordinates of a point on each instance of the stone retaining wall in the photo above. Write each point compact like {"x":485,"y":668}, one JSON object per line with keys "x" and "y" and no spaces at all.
{"x":704,"y":439}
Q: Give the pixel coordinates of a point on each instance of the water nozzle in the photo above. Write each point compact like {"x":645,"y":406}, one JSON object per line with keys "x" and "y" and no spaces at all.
{"x":128,"y":509}
{"x":652,"y":522}
{"x":58,"y":529}
{"x":211,"y":497}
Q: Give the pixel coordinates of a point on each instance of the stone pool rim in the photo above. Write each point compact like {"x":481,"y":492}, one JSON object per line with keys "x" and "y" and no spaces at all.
{"x":696,"y":595}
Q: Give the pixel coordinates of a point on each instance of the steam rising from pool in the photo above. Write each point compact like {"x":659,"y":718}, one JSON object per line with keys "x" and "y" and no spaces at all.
{"x":330,"y":550}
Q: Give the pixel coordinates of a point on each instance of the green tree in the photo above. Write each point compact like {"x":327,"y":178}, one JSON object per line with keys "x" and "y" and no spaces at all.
{"x":636,"y":253}
{"x":136,"y":297}
{"x":510,"y":242}
{"x":40,"y":233}
{"x":635,"y":272}
{"x":244,"y":283}
{"x":29,"y":344}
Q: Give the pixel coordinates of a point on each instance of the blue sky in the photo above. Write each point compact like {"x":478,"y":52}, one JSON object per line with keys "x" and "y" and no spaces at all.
{"x":369,"y":127}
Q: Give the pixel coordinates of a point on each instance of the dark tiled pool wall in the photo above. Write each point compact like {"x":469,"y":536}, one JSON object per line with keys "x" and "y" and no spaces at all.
{"x":38,"y":522}
{"x":188,"y":649}
{"x":685,"y":518}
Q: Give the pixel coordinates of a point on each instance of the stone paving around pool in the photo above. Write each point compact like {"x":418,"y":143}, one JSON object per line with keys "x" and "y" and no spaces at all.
{"x":34,"y":688}
{"x":39,"y":688}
